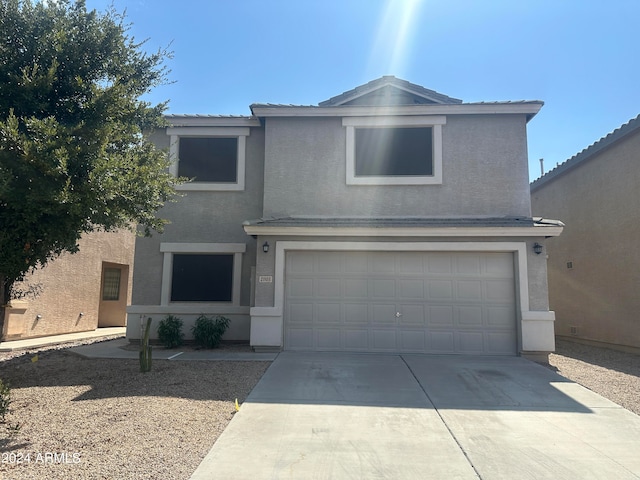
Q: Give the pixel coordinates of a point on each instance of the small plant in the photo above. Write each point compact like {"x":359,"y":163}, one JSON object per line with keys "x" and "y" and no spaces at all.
{"x":208,"y":332}
{"x":5,"y":401}
{"x":170,"y":331}
{"x":145,"y":349}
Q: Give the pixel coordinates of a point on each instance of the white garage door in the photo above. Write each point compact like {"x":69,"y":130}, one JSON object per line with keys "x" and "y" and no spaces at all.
{"x":429,"y":302}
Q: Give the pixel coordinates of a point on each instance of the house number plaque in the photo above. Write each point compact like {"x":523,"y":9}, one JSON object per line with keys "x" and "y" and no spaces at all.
{"x":265,"y":279}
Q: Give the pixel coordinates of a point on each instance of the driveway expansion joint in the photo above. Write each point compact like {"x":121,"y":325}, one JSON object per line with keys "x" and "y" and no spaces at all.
{"x":455,"y":439}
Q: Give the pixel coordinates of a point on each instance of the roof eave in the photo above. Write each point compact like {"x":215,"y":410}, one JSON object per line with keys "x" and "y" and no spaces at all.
{"x":316,"y":231}
{"x":530,"y":109}
{"x":211,"y":121}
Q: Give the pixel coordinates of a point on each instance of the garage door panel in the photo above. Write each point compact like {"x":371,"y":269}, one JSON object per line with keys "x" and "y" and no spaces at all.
{"x":356,"y":313}
{"x":499,"y":290}
{"x":497,"y":264}
{"x":327,"y":287}
{"x":470,"y":342}
{"x":300,"y":338}
{"x":412,"y":315}
{"x":468,"y":264}
{"x":356,"y":339}
{"x":302,"y":287}
{"x":300,"y":264}
{"x":411,"y":289}
{"x":412,"y":340}
{"x":328,"y":263}
{"x":356,"y":288}
{"x":500,"y":316}
{"x":384,"y":263}
{"x":328,"y":339}
{"x":440,"y":264}
{"x":300,"y":312}
{"x":384,"y":340}
{"x":327,"y":313}
{"x":383,"y":314}
{"x":355,"y":263}
{"x":469,"y":315}
{"x":449,"y":302}
{"x":410,"y":263}
{"x":440,"y":315}
{"x":469,"y":291}
{"x":441,"y":341}
{"x":440,"y":290}
{"x":383,"y":288}
{"x":499,"y":342}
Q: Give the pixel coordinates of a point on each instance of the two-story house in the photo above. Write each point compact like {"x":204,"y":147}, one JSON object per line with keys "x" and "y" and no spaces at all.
{"x":390,"y":218}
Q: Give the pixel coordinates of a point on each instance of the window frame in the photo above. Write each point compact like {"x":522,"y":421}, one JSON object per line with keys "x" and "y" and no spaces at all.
{"x":433,"y":121}
{"x":240,"y":133}
{"x":168,"y":249}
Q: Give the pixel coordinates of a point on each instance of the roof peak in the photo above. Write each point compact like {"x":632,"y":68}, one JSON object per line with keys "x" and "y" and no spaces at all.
{"x":389,"y":90}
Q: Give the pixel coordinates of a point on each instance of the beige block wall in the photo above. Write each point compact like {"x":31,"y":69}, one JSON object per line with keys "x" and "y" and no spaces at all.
{"x":70,"y":298}
{"x":594,"y":266}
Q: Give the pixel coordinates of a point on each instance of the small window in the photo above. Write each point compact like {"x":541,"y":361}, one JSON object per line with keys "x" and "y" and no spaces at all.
{"x":208,"y":159}
{"x":202,"y":278}
{"x":394,"y":152}
{"x":111,"y":284}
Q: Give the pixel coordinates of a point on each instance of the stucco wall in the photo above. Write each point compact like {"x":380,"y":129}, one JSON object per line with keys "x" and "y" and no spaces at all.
{"x":71,"y":285}
{"x":485,"y":171}
{"x":599,"y":201}
{"x":202,"y":217}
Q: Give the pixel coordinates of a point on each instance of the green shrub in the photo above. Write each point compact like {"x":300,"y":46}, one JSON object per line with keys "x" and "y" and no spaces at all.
{"x":208,"y":332}
{"x":5,"y":401}
{"x":170,"y":331}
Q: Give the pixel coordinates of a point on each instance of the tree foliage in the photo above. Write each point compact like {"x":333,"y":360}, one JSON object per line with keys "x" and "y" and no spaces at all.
{"x":74,"y":156}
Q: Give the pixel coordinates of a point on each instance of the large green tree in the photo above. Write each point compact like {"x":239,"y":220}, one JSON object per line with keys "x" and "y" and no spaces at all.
{"x":74,"y":154}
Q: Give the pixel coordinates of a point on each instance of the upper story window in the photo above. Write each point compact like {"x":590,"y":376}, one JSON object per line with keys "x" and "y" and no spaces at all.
{"x":213,"y":157}
{"x":394,"y":150}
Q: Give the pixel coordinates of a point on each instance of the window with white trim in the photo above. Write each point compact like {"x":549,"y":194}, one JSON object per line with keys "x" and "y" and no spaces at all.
{"x":394,"y":150}
{"x":202,"y":277}
{"x":212,"y":157}
{"x":201,"y":272}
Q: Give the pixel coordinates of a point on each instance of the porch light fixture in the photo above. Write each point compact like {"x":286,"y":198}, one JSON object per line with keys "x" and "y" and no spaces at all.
{"x":265,"y":247}
{"x":537,"y":248}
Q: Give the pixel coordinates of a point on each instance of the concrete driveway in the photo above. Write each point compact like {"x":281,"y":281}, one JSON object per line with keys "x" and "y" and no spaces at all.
{"x":343,"y":416}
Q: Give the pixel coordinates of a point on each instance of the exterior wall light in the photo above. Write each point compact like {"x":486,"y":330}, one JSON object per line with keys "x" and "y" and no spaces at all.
{"x":537,"y":248}
{"x":265,"y":247}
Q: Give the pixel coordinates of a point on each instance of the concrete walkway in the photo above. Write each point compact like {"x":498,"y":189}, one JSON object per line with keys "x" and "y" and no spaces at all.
{"x":116,"y":349}
{"x":341,"y":416}
{"x":58,"y":339}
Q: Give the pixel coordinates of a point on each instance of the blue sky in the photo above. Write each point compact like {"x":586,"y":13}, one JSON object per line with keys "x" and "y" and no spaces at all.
{"x":579,"y":56}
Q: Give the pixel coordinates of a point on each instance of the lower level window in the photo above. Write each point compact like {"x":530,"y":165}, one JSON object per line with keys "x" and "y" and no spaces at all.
{"x":202,"y":278}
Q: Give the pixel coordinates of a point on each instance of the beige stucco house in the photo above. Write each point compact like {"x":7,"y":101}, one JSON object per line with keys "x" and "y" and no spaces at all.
{"x":76,"y":293}
{"x":594,"y":267}
{"x":389,"y":218}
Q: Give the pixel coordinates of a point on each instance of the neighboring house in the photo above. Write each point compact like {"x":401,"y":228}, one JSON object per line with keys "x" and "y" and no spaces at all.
{"x":76,"y":293}
{"x":594,"y":267}
{"x":390,"y":218}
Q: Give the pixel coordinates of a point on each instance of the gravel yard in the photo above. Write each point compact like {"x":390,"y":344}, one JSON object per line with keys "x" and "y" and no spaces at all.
{"x":106,"y":420}
{"x":614,"y":375}
{"x":102,"y":419}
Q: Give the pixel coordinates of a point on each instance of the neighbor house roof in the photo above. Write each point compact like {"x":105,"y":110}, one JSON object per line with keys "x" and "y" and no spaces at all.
{"x":618,"y":134}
